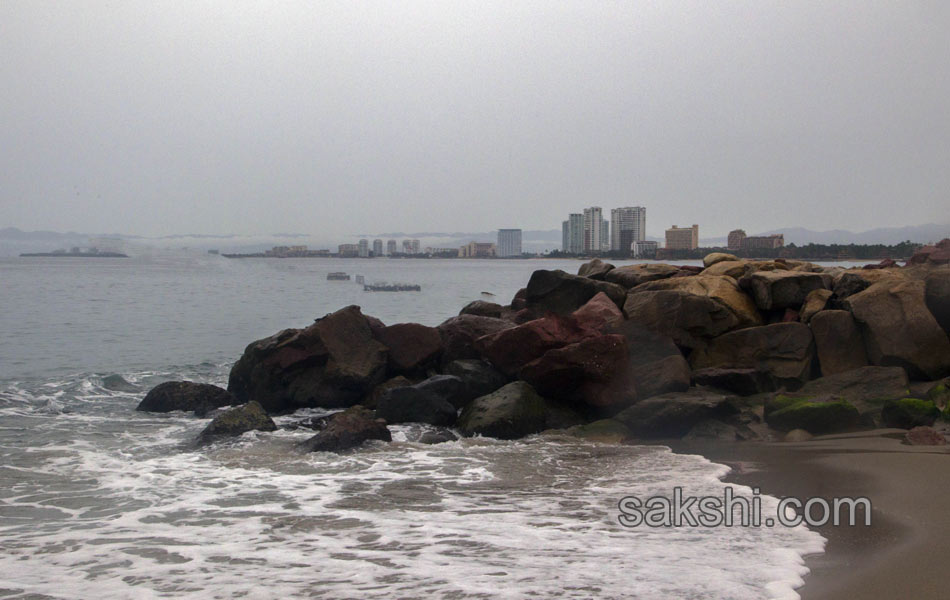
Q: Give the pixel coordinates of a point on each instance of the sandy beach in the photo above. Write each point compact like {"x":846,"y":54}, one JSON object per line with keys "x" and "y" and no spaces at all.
{"x":909,"y":536}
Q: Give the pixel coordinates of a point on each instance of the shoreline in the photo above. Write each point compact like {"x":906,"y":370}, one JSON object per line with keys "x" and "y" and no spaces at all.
{"x":909,"y":535}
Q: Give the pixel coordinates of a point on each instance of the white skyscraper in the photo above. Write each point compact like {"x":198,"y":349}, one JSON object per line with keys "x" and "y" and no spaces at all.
{"x":364,"y":248}
{"x":377,"y":247}
{"x":593,"y":229}
{"x":509,"y":242}
{"x":627,"y":225}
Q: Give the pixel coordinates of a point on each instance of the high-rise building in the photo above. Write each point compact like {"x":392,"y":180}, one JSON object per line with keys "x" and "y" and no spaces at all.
{"x":593,"y":229}
{"x":391,"y":247}
{"x":410,"y":246}
{"x":644,"y":249}
{"x":349,"y":250}
{"x":377,"y":247}
{"x":734,"y":241}
{"x":509,"y":242}
{"x":565,"y":236}
{"x":682,"y":238}
{"x":754,"y":242}
{"x":364,"y":248}
{"x":604,"y":235}
{"x":627,"y":225}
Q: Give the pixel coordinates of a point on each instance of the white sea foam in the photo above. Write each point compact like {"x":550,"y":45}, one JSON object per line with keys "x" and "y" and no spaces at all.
{"x":103,"y":502}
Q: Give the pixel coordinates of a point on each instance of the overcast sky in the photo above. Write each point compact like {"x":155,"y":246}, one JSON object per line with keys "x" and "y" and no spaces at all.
{"x":155,"y":118}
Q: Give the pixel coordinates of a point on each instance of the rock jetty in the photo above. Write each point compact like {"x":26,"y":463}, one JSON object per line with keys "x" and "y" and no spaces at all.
{"x":737,"y":349}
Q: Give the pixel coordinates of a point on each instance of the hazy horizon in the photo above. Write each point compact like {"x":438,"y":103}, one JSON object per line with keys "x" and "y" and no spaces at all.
{"x":247,"y":119}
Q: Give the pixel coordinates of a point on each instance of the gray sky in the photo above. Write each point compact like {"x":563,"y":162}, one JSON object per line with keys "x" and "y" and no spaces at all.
{"x":316,"y":117}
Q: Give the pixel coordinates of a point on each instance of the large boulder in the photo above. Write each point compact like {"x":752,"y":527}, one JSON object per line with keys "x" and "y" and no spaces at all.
{"x":599,"y":312}
{"x":723,"y":290}
{"x":595,"y":269}
{"x":378,"y":391}
{"x":348,"y":429}
{"x":838,"y":342}
{"x":633,"y":275}
{"x":784,"y":350}
{"x":590,"y":373}
{"x":335,"y":362}
{"x":478,"y":377}
{"x":185,"y":395}
{"x":730,"y":268}
{"x":673,"y":415}
{"x":938,"y":296}
{"x":718,"y":257}
{"x":817,"y":418}
{"x":236,"y":421}
{"x":867,"y":388}
{"x":907,"y":413}
{"x":447,"y":387}
{"x":740,"y":381}
{"x":481,"y":308}
{"x":510,"y":349}
{"x":688,"y":319}
{"x":655,"y":363}
{"x":898,"y":328}
{"x":412,"y":347}
{"x":850,"y":282}
{"x":415,"y":405}
{"x":512,"y":412}
{"x":815,"y":302}
{"x":562,"y":293}
{"x":459,"y":335}
{"x":777,"y":290}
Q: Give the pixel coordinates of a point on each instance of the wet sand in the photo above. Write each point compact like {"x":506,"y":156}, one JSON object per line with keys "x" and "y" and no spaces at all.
{"x":908,"y":541}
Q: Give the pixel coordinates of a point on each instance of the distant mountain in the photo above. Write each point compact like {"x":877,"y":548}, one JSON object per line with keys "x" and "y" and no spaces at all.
{"x":884,"y":235}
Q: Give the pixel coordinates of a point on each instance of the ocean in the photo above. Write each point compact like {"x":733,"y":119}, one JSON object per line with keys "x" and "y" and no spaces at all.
{"x":100,"y":501}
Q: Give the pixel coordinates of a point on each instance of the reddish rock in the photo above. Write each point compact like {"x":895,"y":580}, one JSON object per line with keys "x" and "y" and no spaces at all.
{"x":939,"y":254}
{"x":887,"y":263}
{"x":510,"y":349}
{"x":459,"y":335}
{"x":599,"y":312}
{"x":335,"y":362}
{"x":695,"y":270}
{"x":790,"y":316}
{"x":411,"y":346}
{"x":592,"y":372}
{"x":924,"y":436}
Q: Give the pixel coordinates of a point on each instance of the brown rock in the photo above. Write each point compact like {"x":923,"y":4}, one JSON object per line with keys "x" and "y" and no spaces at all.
{"x":348,"y":429}
{"x":815,"y":302}
{"x":777,"y":290}
{"x":924,"y":436}
{"x":784,"y":350}
{"x":595,"y":269}
{"x":688,"y":319}
{"x":633,"y":275}
{"x":334,"y":362}
{"x":510,"y":349}
{"x":898,"y":328}
{"x":599,"y":312}
{"x":459,"y":335}
{"x":561,"y":293}
{"x":838,"y":342}
{"x":591,"y":372}
{"x":482,"y":309}
{"x":412,"y":346}
{"x":741,"y":381}
{"x":721,"y":289}
{"x":938,"y":296}
{"x":718,"y":257}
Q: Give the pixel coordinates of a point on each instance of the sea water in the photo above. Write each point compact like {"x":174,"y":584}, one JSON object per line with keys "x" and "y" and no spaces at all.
{"x":100,"y":501}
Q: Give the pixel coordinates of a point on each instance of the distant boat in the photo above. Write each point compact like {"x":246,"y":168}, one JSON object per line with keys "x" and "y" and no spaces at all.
{"x":338,"y":276}
{"x":392,"y":287}
{"x":489,"y":294}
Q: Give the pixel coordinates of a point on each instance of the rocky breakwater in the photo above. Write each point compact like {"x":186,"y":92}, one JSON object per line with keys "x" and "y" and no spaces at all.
{"x":737,"y":350}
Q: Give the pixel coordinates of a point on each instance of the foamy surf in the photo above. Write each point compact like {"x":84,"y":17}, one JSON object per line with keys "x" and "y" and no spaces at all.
{"x":100,"y":501}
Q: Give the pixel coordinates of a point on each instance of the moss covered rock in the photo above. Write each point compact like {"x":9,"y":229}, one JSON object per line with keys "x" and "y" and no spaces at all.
{"x":939,"y":394}
{"x":907,"y":413}
{"x":236,"y":421}
{"x":814,"y":417}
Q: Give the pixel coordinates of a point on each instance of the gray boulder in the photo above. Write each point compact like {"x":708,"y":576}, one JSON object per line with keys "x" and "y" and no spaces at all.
{"x":187,"y":396}
{"x":595,"y":269}
{"x":783,"y":350}
{"x":633,"y":275}
{"x":740,"y":381}
{"x":674,"y":415}
{"x":838,"y":342}
{"x":480,"y":308}
{"x":478,"y":378}
{"x":415,"y":405}
{"x":512,"y":412}
{"x":236,"y":421}
{"x":778,"y":290}
{"x":562,"y":293}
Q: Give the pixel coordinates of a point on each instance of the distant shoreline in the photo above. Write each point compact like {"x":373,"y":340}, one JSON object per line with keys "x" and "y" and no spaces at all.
{"x":73,"y":255}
